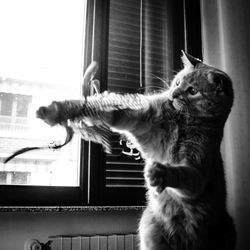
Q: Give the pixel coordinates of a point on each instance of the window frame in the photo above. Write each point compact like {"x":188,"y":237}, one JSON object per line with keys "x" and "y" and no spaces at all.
{"x":91,"y":190}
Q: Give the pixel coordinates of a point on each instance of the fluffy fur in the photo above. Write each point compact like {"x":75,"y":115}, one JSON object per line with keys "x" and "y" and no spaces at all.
{"x":178,"y":133}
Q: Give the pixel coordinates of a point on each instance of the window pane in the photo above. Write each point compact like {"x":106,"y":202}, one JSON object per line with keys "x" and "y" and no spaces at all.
{"x":23,"y":102}
{"x":6,"y":100}
{"x":41,"y":50}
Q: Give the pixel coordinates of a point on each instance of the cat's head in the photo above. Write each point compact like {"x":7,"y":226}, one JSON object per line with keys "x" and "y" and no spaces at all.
{"x":202,"y":90}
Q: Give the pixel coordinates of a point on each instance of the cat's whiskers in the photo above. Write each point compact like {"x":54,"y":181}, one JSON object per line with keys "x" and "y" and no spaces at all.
{"x":166,"y":82}
{"x":154,"y":89}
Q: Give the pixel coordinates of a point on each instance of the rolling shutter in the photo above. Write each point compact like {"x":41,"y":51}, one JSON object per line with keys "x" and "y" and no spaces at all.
{"x":140,"y":52}
{"x":124,"y":46}
{"x":124,"y":180}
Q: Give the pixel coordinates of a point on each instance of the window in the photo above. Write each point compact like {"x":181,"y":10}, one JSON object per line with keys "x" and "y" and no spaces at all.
{"x":6,"y":104}
{"x":22,"y":105}
{"x":137,"y":44}
{"x":14,"y":105}
{"x":14,"y":111}
{"x":41,"y":51}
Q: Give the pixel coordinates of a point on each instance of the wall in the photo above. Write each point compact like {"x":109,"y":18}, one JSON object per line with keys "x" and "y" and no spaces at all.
{"x":17,"y":227}
{"x":226,"y":44}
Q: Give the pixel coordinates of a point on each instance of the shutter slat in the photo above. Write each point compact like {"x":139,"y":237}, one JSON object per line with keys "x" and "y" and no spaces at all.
{"x":119,"y":89}
{"x":124,"y":76}
{"x":124,"y":69}
{"x":129,"y":60}
{"x":127,"y":167}
{"x":126,"y":6}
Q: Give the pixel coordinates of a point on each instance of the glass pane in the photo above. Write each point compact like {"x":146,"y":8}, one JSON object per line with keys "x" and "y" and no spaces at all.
{"x":6,"y":100}
{"x":23,"y":103}
{"x":41,"y":50}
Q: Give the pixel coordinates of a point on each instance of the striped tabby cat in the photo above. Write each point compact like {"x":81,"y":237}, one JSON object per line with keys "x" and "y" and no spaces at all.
{"x":178,"y":133}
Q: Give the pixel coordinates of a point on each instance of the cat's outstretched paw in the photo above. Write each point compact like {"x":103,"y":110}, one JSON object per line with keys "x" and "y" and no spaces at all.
{"x":157,"y":177}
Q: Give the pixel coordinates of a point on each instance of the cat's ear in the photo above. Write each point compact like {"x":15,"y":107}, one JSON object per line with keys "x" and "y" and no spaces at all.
{"x":188,"y":60}
{"x":217,"y":80}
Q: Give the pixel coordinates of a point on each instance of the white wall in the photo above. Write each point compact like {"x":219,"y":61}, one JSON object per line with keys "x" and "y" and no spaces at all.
{"x":16,"y":228}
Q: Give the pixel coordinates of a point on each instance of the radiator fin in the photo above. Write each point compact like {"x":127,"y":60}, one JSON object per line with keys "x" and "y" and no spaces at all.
{"x":97,"y":242}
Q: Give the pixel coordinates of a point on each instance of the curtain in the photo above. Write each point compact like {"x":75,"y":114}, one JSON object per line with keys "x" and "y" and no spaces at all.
{"x":226,"y":44}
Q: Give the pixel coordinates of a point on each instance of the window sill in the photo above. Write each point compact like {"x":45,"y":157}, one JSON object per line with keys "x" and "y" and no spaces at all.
{"x":50,"y":209}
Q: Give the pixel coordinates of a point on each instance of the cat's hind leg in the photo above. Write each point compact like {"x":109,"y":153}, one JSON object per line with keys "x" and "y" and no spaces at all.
{"x":151,"y":233}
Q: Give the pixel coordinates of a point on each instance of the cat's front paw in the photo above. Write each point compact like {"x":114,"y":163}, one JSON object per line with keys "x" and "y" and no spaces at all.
{"x":156,"y":176}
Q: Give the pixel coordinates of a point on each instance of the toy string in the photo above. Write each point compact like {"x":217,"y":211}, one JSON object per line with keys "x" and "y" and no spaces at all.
{"x":69,"y":137}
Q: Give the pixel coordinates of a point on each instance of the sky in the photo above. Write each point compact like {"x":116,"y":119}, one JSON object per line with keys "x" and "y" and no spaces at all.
{"x":42,"y":40}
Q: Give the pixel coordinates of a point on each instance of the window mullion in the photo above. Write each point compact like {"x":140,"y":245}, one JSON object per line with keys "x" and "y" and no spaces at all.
{"x":96,"y":46}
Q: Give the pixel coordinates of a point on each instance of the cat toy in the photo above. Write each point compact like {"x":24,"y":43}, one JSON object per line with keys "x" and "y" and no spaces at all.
{"x":87,"y":78}
{"x":78,"y":116}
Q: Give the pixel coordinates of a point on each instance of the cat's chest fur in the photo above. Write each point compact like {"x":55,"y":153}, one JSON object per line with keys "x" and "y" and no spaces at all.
{"x":159,"y":144}
{"x":162,"y":143}
{"x":170,"y":143}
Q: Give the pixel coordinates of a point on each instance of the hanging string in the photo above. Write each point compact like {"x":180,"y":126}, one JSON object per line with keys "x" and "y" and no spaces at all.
{"x":141,"y":42}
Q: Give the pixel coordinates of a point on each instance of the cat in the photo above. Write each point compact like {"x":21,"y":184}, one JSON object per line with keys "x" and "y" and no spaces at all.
{"x":178,"y":133}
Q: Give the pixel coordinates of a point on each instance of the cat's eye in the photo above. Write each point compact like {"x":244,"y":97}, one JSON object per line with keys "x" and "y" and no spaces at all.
{"x":192,"y":91}
{"x":177,"y":83}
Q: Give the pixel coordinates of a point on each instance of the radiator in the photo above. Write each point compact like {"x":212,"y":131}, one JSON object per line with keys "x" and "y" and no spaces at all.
{"x":97,"y":242}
